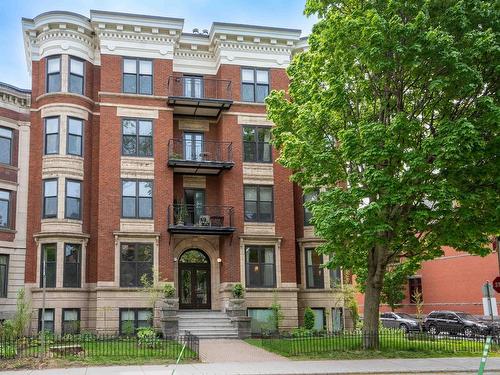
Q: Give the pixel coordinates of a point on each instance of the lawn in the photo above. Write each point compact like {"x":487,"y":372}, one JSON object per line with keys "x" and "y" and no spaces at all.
{"x":393,"y":346}
{"x":97,"y":352}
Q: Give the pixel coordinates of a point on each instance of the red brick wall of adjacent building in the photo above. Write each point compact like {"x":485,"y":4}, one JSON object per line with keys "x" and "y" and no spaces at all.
{"x":452,"y":282}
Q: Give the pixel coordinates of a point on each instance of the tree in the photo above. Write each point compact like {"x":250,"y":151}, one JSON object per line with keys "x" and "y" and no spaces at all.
{"x":154,"y":293}
{"x":393,"y":110}
{"x":22,"y":315}
{"x":396,"y":281}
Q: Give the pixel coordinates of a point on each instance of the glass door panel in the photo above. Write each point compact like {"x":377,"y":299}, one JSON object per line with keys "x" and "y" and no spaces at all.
{"x":193,"y":146}
{"x":186,"y":288}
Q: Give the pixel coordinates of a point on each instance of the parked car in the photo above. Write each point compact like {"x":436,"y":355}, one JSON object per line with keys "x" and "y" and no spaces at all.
{"x":403,"y":321}
{"x":454,"y":322}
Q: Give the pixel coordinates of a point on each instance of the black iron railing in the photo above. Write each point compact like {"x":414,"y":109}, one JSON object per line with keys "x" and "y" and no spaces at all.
{"x":200,"y":216}
{"x":88,"y":345}
{"x":301,"y":343}
{"x":196,"y":87}
{"x":200,"y":151}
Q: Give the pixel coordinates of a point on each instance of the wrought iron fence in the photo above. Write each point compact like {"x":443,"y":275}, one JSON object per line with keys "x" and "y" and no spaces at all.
{"x":88,"y":345}
{"x":300,"y":343}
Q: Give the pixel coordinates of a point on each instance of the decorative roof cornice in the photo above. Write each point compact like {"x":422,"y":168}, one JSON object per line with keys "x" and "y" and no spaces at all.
{"x":15,"y":96}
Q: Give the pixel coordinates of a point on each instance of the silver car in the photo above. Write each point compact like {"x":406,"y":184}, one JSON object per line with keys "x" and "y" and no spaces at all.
{"x":398,"y":320}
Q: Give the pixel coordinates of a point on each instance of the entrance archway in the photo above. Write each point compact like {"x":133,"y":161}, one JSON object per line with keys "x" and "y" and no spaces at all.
{"x":194,"y":280}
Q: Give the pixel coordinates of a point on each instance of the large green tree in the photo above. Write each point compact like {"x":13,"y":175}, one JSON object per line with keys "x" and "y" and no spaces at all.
{"x":394,"y":111}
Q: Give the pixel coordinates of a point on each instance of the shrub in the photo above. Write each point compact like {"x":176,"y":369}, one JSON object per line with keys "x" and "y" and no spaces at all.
{"x":277,"y":313}
{"x":301,"y":332}
{"x":7,"y":329}
{"x":128,"y":328}
{"x":169,"y":291}
{"x":8,"y":351}
{"x":147,"y":337}
{"x":87,"y":336}
{"x":308,"y":318}
{"x":238,"y":291}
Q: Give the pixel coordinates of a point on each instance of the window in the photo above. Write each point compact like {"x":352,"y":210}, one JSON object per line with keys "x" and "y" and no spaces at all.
{"x":75,"y":134}
{"x":48,"y":264}
{"x":319,"y":319}
{"x":48,"y":321}
{"x":131,"y":319}
{"x":5,"y":146}
{"x":70,"y":321}
{"x":4,"y":275}
{"x":73,"y":206}
{"x":193,"y":86}
{"x":314,"y":271}
{"x":136,"y":259}
{"x":54,"y":74}
{"x":260,"y":267}
{"x":335,"y":277}
{"x":72,"y":265}
{"x":51,"y":135}
{"x":50,"y":198}
{"x":415,"y":286}
{"x":137,"y":76}
{"x":76,"y":74}
{"x":261,"y":320}
{"x":308,"y":197}
{"x":137,"y":199}
{"x":258,"y":203}
{"x":137,"y":137}
{"x":254,"y":84}
{"x":337,"y":319}
{"x":5,"y":208}
{"x":256,"y":144}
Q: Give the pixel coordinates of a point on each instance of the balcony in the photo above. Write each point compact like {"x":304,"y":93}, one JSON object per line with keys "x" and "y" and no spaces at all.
{"x":194,"y":156}
{"x":195,"y":96}
{"x":200,"y":219}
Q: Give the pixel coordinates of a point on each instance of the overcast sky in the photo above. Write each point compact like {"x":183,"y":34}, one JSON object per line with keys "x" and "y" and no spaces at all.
{"x":196,"y":13}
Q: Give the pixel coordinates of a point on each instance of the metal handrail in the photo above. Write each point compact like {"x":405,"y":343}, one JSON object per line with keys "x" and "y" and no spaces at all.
{"x":197,"y":87}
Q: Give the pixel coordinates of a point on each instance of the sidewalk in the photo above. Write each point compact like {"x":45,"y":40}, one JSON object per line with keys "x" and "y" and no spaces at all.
{"x":217,"y":351}
{"x":378,"y":366}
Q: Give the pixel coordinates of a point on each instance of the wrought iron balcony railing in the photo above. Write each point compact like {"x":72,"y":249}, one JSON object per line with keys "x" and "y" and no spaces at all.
{"x":197,"y":151}
{"x":196,"y":87}
{"x":204,"y":219}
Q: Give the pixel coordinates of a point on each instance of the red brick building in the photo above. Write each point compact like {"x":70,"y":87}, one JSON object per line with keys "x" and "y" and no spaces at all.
{"x":150,"y":151}
{"x":451,"y":282}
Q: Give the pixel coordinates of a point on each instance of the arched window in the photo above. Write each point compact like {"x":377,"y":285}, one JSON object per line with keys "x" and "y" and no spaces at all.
{"x":194,"y":256}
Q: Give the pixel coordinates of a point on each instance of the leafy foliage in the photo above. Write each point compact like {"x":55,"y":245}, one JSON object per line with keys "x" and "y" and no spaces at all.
{"x":277,"y":315}
{"x":238,"y":291}
{"x":394,"y":110}
{"x":147,"y":337}
{"x":169,"y":291}
{"x":308,"y":318}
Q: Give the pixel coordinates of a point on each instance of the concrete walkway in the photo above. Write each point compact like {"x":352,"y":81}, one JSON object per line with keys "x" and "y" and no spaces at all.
{"x":378,"y":366}
{"x":217,"y":351}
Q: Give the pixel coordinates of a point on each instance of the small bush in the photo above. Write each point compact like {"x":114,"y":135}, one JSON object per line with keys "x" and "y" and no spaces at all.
{"x":301,"y":332}
{"x":8,"y":351}
{"x":128,"y":328}
{"x":7,"y":329}
{"x":87,"y":336}
{"x":147,"y":337}
{"x":238,"y":291}
{"x":308,"y":318}
{"x":169,"y":291}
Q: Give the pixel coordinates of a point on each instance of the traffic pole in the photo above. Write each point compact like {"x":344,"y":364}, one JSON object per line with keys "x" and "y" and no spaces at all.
{"x":486,"y":349}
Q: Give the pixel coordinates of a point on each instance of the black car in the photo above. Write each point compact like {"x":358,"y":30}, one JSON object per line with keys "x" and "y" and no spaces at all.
{"x":398,"y":320}
{"x":454,"y":322}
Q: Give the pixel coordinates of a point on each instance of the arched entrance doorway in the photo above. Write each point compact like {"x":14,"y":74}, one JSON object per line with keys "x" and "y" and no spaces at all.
{"x":194,"y":280}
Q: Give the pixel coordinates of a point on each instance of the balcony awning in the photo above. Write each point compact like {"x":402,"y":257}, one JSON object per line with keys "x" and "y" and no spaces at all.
{"x":198,"y":107}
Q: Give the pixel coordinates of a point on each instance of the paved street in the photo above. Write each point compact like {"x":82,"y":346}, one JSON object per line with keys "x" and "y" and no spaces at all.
{"x":379,"y":366}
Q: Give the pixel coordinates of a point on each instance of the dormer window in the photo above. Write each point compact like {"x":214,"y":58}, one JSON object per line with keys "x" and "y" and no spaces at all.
{"x":54,"y":74}
{"x":137,"y":76}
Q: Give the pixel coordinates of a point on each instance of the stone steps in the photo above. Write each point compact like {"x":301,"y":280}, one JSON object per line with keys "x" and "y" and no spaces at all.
{"x":206,"y":324}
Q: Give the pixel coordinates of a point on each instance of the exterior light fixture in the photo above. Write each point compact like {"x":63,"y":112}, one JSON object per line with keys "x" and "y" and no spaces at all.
{"x":219,"y":260}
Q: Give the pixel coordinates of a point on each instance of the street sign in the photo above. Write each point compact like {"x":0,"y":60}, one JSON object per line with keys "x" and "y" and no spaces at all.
{"x":496,"y":284}
{"x":487,"y":290}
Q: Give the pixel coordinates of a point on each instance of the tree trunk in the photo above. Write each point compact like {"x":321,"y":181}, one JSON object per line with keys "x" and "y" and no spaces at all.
{"x":374,"y":283}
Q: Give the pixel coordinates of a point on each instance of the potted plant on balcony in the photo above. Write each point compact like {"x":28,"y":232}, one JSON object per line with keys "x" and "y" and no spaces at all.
{"x":181,"y":213}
